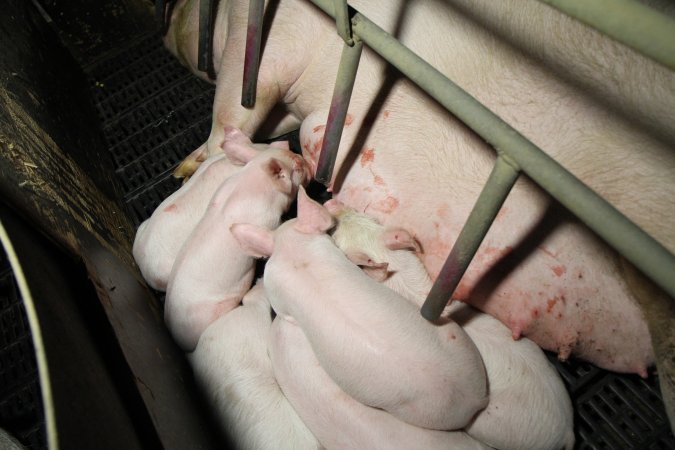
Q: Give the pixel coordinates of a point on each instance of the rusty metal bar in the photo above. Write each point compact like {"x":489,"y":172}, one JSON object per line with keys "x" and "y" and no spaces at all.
{"x":490,"y":200}
{"x":349,"y":64}
{"x":205,"y":35}
{"x":342,"y":23}
{"x":252,"y":56}
{"x":627,"y":21}
{"x":628,"y":239}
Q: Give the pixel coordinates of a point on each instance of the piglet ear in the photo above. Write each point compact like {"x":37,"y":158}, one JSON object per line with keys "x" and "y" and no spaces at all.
{"x":375,"y":270}
{"x":312,"y":217}
{"x":254,"y":240}
{"x":238,"y":147}
{"x":281,"y":144}
{"x":280,"y":174}
{"x":400,"y":239}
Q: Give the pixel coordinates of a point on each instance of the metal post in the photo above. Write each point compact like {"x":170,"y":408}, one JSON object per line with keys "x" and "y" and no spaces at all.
{"x":349,"y":63}
{"x":163,"y":10}
{"x":342,"y":23}
{"x":636,"y":25}
{"x":160,"y":7}
{"x":252,"y":56}
{"x":205,"y":34}
{"x":490,"y":200}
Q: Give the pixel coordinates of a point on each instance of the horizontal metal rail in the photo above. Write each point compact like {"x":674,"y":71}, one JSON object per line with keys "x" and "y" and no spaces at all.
{"x":636,"y":25}
{"x":618,"y":231}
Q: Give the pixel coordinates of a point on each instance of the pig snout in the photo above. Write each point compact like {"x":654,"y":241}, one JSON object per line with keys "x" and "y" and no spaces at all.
{"x":301,"y":170}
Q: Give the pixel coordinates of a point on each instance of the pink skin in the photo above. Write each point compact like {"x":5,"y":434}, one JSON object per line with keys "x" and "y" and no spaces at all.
{"x":235,"y":374}
{"x":525,"y":390}
{"x":335,"y":418}
{"x":357,"y":326}
{"x":159,"y":238}
{"x":211,"y":274}
{"x":406,"y":161}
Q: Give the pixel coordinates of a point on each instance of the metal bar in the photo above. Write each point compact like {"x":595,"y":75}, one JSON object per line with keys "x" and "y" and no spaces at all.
{"x":160,"y":6}
{"x":490,"y":200}
{"x":163,"y":9}
{"x":623,"y":235}
{"x":349,"y":64}
{"x":205,"y":35}
{"x":252,"y":56}
{"x":636,"y":25}
{"x":342,"y":23}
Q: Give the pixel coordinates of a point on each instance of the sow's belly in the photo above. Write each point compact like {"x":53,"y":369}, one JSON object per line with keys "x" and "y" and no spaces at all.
{"x":538,"y":271}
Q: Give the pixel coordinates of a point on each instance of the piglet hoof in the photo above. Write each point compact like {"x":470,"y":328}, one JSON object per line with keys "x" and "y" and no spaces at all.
{"x":191,"y":163}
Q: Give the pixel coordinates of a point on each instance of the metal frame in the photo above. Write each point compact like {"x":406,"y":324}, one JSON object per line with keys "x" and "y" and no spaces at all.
{"x":636,"y":25}
{"x":633,"y":24}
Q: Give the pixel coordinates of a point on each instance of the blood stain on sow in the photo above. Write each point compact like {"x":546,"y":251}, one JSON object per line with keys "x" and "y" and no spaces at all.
{"x":170,"y":208}
{"x":367,"y":156}
{"x":558,"y":270}
{"x":387,"y":205}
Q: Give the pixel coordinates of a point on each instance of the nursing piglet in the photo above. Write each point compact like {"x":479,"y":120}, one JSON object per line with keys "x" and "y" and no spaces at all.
{"x":211,"y":273}
{"x":336,"y":419}
{"x":529,"y":407}
{"x":371,"y":341}
{"x":235,"y":373}
{"x":160,"y":237}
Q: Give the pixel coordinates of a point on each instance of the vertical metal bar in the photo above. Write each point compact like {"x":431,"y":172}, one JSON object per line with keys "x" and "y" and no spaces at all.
{"x":160,"y":7}
{"x":629,"y":22}
{"x":342,"y":23}
{"x":490,"y":200}
{"x":349,"y":63}
{"x":252,"y":56}
{"x":163,"y":10}
{"x":205,"y":28}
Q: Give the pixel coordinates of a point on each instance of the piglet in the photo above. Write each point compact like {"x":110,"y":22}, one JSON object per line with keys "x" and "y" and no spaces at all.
{"x":371,"y":341}
{"x":211,"y":273}
{"x":160,"y":237}
{"x":336,"y":419}
{"x":529,"y":407}
{"x":235,"y":373}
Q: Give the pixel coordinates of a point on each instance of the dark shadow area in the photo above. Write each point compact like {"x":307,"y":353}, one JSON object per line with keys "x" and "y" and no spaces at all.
{"x":554,"y":216}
